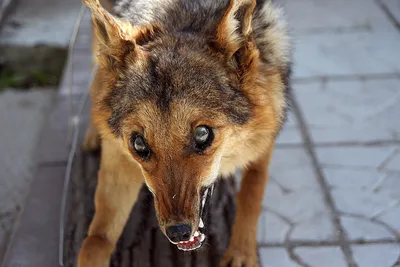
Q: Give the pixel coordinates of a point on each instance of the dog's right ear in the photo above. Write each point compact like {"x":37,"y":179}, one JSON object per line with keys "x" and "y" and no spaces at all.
{"x":115,"y":36}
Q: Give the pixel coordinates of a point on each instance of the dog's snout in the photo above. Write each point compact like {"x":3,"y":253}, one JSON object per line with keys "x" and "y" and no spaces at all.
{"x":179,"y":232}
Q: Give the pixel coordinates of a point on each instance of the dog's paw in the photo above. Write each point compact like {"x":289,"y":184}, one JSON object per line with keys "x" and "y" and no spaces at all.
{"x":95,"y":252}
{"x":92,"y":141}
{"x":240,"y":257}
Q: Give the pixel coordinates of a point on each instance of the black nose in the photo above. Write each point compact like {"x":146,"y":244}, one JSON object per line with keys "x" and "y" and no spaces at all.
{"x":179,"y":232}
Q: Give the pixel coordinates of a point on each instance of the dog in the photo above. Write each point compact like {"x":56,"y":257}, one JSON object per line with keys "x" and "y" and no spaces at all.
{"x":186,"y":91}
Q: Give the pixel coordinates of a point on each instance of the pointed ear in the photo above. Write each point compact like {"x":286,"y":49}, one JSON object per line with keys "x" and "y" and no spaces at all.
{"x":234,"y":36}
{"x":111,"y":33}
{"x":108,"y":28}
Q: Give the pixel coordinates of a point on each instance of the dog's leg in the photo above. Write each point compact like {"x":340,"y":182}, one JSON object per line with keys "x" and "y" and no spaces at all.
{"x":242,"y":251}
{"x":119,"y":183}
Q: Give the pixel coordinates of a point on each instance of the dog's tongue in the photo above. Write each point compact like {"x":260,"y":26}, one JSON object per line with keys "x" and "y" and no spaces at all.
{"x":189,"y":244}
{"x":194,"y":243}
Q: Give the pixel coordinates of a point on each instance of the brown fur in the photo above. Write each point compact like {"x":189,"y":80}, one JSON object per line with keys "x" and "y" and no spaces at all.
{"x":157,"y":82}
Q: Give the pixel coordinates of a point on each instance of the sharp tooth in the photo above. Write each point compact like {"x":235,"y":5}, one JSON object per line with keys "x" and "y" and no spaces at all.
{"x":196,"y":234}
{"x":202,"y":237}
{"x":191,"y":239}
{"x":203,"y":201}
{"x":201,"y":223}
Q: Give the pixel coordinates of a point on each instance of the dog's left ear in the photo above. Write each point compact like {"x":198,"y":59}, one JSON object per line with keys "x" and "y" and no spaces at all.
{"x":234,"y":35}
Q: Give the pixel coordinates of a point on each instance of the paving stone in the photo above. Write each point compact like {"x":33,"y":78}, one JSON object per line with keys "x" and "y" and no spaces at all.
{"x":294,"y":195}
{"x":363,"y":190}
{"x":317,"y":228}
{"x":312,"y":256}
{"x":276,"y":257}
{"x":84,"y":37}
{"x":321,"y":256}
{"x":364,"y":229}
{"x":394,"y":8}
{"x":347,"y":53}
{"x":376,"y":255}
{"x":84,"y":40}
{"x":21,"y":118}
{"x":310,"y":16}
{"x":7,"y":219}
{"x":46,"y":22}
{"x":356,"y":157}
{"x":394,"y":162}
{"x":351,"y":111}
{"x":290,"y":133}
{"x":390,"y":213}
{"x":54,"y":143}
{"x":5,"y":7}
{"x":35,"y":240}
{"x":345,"y":178}
{"x":272,"y":228}
{"x":82,"y":66}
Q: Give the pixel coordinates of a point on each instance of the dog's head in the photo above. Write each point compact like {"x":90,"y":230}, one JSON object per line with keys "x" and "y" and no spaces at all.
{"x":181,"y":104}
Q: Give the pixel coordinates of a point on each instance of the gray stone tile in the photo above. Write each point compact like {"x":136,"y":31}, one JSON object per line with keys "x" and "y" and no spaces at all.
{"x":394,"y":8}
{"x":358,"y":157}
{"x":290,"y":133}
{"x":294,"y":195}
{"x":393,"y":163}
{"x":35,"y":240}
{"x":272,"y":228}
{"x":364,"y":229}
{"x":82,"y":66}
{"x":365,"y":192}
{"x":276,"y":257}
{"x":347,"y":53}
{"x":54,"y":142}
{"x":318,"y":228}
{"x":84,"y":38}
{"x":311,"y":256}
{"x":376,"y":255}
{"x":310,"y":16}
{"x":44,"y":23}
{"x":351,"y":111}
{"x":22,"y":115}
{"x":321,"y":256}
{"x":345,"y":178}
{"x":390,"y":214}
{"x":7,"y":219}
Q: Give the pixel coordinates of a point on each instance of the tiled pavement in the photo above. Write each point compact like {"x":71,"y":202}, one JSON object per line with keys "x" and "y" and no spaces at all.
{"x":334,"y":195}
{"x":21,"y":118}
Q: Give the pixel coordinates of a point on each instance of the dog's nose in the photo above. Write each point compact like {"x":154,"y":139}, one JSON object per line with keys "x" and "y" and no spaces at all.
{"x":179,"y":232}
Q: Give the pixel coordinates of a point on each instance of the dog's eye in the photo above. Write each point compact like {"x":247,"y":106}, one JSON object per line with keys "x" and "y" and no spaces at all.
{"x":140,"y":146}
{"x":203,"y":136}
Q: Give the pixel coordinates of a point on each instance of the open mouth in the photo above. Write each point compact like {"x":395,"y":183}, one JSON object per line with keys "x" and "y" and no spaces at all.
{"x":198,"y":237}
{"x":196,"y":240}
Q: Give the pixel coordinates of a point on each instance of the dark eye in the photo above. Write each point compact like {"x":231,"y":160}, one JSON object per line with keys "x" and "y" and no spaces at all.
{"x":203,"y":137}
{"x":139,"y":145}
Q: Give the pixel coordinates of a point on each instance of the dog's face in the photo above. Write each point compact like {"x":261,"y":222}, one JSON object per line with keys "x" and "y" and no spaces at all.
{"x":176,"y":110}
{"x":178,"y":104}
